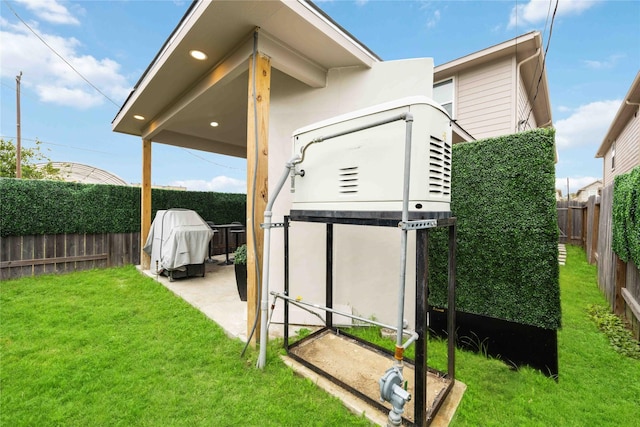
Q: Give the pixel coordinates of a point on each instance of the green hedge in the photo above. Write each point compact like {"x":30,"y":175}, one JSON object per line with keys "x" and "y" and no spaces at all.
{"x":503,"y":195}
{"x":53,"y":207}
{"x":626,"y":216}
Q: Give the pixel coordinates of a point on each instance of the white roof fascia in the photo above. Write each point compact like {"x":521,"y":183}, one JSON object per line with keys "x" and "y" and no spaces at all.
{"x":348,"y":42}
{"x":197,"y":11}
{"x":472,"y":57}
{"x":616,"y":127}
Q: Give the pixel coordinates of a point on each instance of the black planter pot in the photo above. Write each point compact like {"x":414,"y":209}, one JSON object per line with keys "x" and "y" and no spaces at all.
{"x":241,"y":280}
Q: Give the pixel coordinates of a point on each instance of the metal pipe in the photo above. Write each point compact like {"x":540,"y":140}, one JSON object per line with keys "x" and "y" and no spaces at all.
{"x":391,"y":119}
{"x":408,"y":117}
{"x":404,"y":231}
{"x":264,"y":300}
{"x":413,"y":334}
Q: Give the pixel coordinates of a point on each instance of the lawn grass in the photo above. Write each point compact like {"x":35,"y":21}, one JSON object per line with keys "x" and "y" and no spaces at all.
{"x":596,"y":386}
{"x":113,"y":347}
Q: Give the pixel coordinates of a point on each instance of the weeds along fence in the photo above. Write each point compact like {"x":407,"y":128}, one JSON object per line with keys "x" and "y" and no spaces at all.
{"x":590,"y":225}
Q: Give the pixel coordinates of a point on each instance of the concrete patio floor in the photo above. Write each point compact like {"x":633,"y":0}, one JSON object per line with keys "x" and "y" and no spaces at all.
{"x":216,"y":296}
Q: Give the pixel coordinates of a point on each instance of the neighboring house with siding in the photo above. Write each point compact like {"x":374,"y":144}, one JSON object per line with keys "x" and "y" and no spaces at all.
{"x":593,"y":189}
{"x":496,"y":91}
{"x":620,"y":148}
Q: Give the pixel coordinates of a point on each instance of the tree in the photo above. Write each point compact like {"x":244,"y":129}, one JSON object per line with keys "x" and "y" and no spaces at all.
{"x":29,"y":158}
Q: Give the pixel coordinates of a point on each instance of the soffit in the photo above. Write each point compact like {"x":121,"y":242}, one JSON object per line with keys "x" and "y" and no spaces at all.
{"x":177,"y":95}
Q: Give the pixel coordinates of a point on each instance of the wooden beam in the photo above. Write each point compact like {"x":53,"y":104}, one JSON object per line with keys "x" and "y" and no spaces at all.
{"x":145,"y":202}
{"x":259,"y":164}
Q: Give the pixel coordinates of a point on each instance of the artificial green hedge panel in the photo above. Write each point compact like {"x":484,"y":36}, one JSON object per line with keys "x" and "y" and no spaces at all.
{"x":53,"y":207}
{"x":626,"y":216}
{"x":503,"y":195}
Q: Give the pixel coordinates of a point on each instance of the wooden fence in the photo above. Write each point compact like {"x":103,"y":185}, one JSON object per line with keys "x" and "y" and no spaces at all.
{"x":570,"y":221}
{"x":589,"y":224}
{"x":59,"y":253}
{"x":618,"y":280}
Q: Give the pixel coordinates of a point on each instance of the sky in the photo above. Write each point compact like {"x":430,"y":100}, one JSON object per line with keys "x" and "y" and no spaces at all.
{"x":593,"y":55}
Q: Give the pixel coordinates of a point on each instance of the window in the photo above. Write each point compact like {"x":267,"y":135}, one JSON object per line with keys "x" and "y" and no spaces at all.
{"x":443,"y":94}
{"x":613,"y":156}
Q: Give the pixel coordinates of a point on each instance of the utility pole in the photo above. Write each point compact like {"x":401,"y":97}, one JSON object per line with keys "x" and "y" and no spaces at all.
{"x":19,"y":139}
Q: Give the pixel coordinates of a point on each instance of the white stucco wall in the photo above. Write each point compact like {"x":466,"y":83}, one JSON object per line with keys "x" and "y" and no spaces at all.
{"x":367,"y":260}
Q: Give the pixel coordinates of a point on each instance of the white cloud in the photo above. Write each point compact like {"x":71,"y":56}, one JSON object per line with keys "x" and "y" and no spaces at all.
{"x":48,"y":75}
{"x":433,"y":20}
{"x":221,"y":184}
{"x":575,"y":183}
{"x":51,"y":11}
{"x":587,"y":125}
{"x":610,"y":62}
{"x":536,"y":11}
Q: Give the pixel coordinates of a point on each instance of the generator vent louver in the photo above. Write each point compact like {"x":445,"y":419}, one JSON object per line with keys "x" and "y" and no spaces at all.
{"x":348,"y":180}
{"x":439,"y":167}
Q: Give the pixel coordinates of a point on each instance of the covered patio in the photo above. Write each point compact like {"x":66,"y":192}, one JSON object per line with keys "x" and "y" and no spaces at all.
{"x":211,"y":86}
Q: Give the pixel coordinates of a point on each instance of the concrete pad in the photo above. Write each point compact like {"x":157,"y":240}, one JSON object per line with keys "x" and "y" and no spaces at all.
{"x":215,"y":295}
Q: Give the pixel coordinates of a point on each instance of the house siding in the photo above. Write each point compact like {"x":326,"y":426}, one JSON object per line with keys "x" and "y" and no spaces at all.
{"x":627,"y":151}
{"x":484,"y":99}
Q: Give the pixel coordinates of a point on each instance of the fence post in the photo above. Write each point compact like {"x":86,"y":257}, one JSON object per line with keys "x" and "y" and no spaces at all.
{"x":620,"y":282}
{"x":569,"y":224}
{"x":593,"y":257}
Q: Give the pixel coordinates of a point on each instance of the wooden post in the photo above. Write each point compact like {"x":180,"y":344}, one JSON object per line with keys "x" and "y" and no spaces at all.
{"x":260,"y":164}
{"x":145,"y":202}
{"x":569,"y":224}
{"x":593,"y":258}
{"x":620,"y":283}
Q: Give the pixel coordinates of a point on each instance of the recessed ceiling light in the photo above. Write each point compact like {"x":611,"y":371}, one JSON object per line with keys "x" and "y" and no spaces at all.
{"x":138,"y":117}
{"x":214,"y":124}
{"x":198,"y":54}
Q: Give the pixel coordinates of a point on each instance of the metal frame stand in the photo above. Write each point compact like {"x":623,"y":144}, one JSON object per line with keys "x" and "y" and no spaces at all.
{"x":422,"y":416}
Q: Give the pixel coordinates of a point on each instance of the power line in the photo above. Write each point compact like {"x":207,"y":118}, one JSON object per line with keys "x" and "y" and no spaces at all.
{"x":116,"y":154}
{"x":544,"y":30}
{"x":544,"y":60}
{"x":60,"y":56}
{"x":214,"y":163}
{"x":60,"y":145}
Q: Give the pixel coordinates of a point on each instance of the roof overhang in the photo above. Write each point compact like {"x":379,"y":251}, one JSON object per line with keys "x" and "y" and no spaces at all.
{"x":629,"y":107}
{"x":527,"y":50}
{"x":179,"y":96}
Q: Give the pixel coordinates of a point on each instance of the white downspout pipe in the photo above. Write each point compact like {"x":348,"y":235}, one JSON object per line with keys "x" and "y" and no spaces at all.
{"x":518,"y":74}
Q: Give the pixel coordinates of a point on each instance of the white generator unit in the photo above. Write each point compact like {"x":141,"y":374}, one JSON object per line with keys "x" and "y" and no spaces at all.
{"x":355,"y":163}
